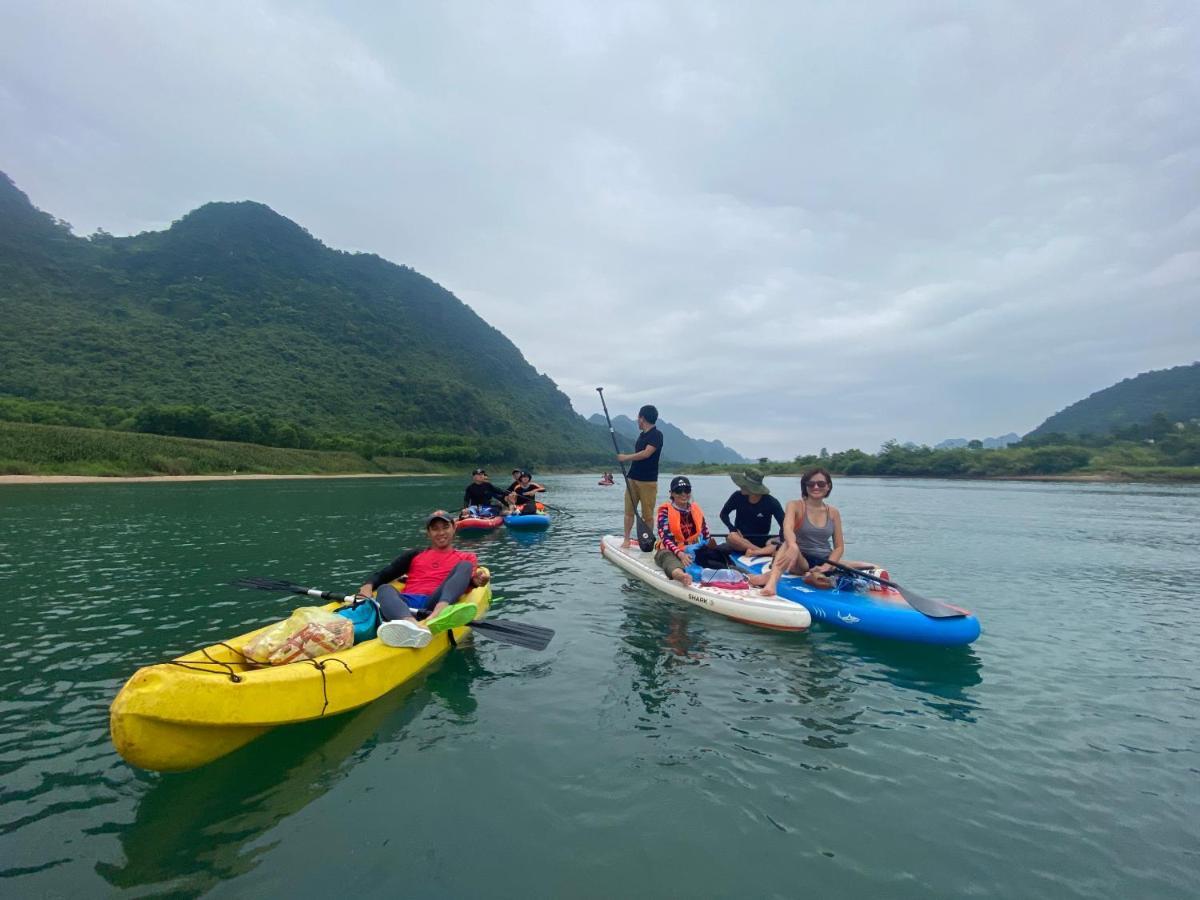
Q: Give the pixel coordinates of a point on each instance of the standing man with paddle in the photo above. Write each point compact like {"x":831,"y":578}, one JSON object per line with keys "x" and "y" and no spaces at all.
{"x":643,"y":471}
{"x":645,"y":537}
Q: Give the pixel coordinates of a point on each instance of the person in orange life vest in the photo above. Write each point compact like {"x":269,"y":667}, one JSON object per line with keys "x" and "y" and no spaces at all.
{"x":520,"y":494}
{"x":434,"y":579}
{"x":680,"y":522}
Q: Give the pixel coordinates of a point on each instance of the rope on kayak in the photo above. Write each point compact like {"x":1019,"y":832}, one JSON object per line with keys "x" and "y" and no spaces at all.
{"x":199,"y":666}
{"x":319,"y":665}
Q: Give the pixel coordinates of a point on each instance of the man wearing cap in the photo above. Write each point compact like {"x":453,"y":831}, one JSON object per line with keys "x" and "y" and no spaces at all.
{"x":434,"y":578}
{"x":680,"y":523}
{"x":752,"y":508}
{"x":478,"y":497}
{"x":642,"y":482}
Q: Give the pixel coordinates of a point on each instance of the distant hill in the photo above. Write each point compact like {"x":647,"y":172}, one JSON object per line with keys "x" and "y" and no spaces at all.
{"x":677,"y":446}
{"x":1173,"y":392}
{"x":237,"y":311}
{"x":992,"y":443}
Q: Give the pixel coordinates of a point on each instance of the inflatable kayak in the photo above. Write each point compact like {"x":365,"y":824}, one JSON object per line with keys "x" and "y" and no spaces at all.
{"x":748,"y":606}
{"x":865,"y":607}
{"x":532,"y":522}
{"x":181,"y":714}
{"x":473,"y":524}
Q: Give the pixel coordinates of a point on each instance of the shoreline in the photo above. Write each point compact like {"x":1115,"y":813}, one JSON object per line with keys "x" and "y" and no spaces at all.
{"x":128,"y":479}
{"x":1082,"y":477}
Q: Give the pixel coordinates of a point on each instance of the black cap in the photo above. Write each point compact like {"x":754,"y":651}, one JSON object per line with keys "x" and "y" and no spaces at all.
{"x":680,"y":483}
{"x":479,"y":472}
{"x":524,"y":474}
{"x":438,"y":514}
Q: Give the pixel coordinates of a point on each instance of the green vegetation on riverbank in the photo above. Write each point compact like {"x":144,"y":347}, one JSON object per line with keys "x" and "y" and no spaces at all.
{"x":27,"y":449}
{"x":1159,"y":450}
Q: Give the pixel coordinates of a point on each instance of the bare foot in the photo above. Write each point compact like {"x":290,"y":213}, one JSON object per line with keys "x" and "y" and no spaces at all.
{"x":682,"y":577}
{"x":758,"y":580}
{"x":767,"y":590}
{"x":626,"y":543}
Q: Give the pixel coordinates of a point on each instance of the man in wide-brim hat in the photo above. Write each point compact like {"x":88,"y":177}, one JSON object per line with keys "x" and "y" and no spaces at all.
{"x":748,"y":513}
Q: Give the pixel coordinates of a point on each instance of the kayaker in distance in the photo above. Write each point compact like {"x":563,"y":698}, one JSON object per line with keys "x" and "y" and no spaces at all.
{"x":478,"y":497}
{"x":522,"y":494}
{"x":680,"y":522}
{"x":436,"y":577}
{"x":643,"y":474}
{"x":812,"y":534}
{"x":753,"y":509}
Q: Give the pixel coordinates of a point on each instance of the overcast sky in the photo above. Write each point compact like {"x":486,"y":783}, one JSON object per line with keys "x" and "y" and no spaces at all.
{"x":789,"y":225}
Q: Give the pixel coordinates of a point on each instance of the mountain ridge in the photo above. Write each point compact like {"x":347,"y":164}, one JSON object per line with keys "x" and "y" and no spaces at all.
{"x":238,"y":310}
{"x":1173,"y":393}
{"x":678,"y":447}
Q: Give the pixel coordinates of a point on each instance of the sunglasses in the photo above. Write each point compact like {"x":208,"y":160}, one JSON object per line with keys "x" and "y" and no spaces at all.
{"x":818,"y":484}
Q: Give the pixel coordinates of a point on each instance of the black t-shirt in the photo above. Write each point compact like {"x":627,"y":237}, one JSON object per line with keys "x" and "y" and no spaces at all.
{"x":481,"y":494}
{"x":753,"y":520}
{"x":647,"y":469}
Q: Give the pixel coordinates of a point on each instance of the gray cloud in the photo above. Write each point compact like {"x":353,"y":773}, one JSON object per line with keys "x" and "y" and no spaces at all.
{"x":788,"y":225}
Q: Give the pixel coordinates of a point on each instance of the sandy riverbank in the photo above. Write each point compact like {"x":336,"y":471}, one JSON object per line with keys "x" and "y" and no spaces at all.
{"x":110,"y":479}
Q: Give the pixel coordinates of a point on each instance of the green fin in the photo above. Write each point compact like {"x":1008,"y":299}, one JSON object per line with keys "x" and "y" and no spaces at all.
{"x":452,"y":616}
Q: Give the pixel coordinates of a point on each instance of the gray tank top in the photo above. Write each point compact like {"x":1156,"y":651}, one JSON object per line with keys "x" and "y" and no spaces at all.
{"x":815,"y":541}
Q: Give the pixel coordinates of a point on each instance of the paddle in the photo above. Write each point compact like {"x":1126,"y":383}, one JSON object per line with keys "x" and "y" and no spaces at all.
{"x":934,"y":609}
{"x":645,"y":536}
{"x":534,"y":637}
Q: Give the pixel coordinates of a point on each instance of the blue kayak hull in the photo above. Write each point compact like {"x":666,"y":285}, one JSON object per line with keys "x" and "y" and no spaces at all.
{"x":535,"y":522}
{"x":881,"y":615}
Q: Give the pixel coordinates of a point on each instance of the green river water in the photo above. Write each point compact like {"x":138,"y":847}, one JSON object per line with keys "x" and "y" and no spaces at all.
{"x":654,"y":749}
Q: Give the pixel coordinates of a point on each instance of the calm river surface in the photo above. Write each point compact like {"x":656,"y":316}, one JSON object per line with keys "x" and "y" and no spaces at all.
{"x":655,"y":749}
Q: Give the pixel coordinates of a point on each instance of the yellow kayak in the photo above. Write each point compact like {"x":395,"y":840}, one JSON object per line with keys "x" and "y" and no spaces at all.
{"x":169,"y":717}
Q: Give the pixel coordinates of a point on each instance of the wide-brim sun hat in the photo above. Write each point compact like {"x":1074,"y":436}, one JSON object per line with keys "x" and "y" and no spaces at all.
{"x":750,"y":480}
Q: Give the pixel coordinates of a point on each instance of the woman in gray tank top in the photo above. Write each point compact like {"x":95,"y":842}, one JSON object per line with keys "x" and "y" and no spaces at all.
{"x":812,"y":533}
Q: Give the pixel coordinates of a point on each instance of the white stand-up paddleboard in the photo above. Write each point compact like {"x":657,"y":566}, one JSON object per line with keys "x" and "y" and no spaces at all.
{"x":748,"y":606}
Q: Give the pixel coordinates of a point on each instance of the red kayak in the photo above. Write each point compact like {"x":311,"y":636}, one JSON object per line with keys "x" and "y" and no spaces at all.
{"x":471,"y":524}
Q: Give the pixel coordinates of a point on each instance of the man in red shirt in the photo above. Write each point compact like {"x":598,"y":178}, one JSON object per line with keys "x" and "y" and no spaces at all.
{"x":434,"y":579}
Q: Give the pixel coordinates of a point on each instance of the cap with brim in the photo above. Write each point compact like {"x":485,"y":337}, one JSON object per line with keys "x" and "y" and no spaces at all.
{"x":436,"y":515}
{"x":751,"y":480}
{"x":679,"y":483}
{"x":479,"y":472}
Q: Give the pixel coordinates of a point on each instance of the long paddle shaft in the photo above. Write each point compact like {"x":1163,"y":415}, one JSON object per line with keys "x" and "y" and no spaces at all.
{"x":534,"y":637}
{"x":645,"y":536}
{"x":935,"y":609}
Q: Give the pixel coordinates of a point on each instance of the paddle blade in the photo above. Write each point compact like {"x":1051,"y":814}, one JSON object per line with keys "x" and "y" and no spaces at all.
{"x":268,"y":584}
{"x":934,"y":609}
{"x":532,"y":637}
{"x":279,"y":584}
{"x":645,"y":535}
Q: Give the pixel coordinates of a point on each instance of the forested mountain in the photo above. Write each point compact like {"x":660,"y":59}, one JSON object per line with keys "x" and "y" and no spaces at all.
{"x":237,"y":323}
{"x":677,"y":446}
{"x":1173,"y":393}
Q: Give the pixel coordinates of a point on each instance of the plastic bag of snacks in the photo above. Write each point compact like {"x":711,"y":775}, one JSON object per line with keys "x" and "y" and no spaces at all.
{"x":307,"y":633}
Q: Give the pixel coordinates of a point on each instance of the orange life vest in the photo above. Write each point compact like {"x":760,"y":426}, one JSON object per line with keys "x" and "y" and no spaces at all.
{"x":675,"y":523}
